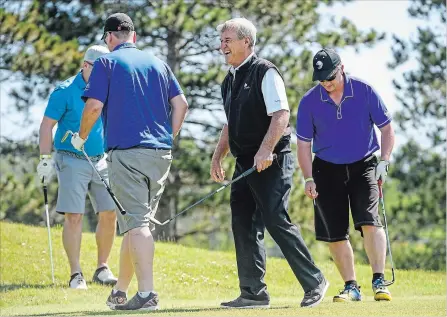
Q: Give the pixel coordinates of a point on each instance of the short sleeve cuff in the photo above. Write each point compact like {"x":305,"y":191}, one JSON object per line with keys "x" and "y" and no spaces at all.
{"x":53,"y":116}
{"x":303,"y":138}
{"x":87,"y":95}
{"x":384,"y":123}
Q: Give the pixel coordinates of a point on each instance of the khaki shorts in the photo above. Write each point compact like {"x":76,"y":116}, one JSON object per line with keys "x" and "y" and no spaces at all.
{"x":137,"y":178}
{"x":76,"y":179}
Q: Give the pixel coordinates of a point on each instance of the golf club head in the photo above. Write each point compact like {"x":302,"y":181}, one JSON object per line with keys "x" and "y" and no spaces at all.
{"x":155,"y":221}
{"x":69,"y":132}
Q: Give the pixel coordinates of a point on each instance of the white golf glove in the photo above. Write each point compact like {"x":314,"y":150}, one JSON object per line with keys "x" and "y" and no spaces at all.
{"x":77,"y":141}
{"x":382,"y":170}
{"x":45,"y":169}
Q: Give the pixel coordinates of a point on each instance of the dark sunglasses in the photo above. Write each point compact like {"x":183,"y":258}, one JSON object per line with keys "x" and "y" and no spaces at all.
{"x":104,"y":37}
{"x":331,"y":78}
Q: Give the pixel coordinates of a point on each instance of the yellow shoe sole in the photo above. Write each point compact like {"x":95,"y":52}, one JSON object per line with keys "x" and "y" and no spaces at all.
{"x":343,"y":300}
{"x":382,"y":297}
{"x":339,"y":300}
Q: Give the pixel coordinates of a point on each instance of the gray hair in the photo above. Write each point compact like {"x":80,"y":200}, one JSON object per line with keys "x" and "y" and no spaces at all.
{"x":122,"y":35}
{"x":242,"y":27}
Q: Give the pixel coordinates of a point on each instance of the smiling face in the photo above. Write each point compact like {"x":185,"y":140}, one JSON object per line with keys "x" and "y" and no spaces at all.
{"x":235,"y":50}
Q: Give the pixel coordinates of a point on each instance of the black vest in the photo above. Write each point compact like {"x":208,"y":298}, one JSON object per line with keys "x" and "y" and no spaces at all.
{"x":245,"y":108}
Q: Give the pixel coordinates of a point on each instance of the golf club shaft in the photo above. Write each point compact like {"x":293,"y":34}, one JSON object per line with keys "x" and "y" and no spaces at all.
{"x":244,"y":174}
{"x":382,"y":203}
{"x":45,"y":195}
{"x":117,"y":203}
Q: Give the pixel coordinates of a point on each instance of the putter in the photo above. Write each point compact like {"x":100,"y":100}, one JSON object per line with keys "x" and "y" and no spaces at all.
{"x":244,"y":174}
{"x":382,"y":203}
{"x":45,"y":196}
{"x":117,"y":203}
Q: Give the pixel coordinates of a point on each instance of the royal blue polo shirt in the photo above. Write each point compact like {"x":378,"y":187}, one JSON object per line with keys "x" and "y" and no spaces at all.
{"x":342,"y":134}
{"x":135,"y":87}
{"x":65,"y":106}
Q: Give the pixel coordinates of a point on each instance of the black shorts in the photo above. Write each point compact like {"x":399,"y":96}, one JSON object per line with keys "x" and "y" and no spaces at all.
{"x":339,"y":187}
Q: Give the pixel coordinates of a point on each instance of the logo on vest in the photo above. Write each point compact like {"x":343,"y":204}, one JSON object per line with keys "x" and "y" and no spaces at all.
{"x":246,"y":86}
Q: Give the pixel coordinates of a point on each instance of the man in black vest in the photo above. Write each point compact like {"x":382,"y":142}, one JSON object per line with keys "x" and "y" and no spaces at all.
{"x":257,"y":113}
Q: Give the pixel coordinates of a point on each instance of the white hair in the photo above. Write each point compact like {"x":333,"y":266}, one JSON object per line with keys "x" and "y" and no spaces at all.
{"x":242,"y":27}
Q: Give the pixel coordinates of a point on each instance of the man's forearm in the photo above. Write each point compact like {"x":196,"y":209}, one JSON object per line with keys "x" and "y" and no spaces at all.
{"x":304,"y":154}
{"x":178,"y":117}
{"x":279,"y":122}
{"x":46,"y":135}
{"x":223,"y":146}
{"x":91,"y":113}
{"x":45,"y":139}
{"x":387,"y":142}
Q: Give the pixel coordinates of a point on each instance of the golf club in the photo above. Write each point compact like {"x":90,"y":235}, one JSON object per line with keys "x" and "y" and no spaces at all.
{"x":244,"y":174}
{"x":45,"y":196}
{"x":117,"y":203}
{"x":382,"y":203}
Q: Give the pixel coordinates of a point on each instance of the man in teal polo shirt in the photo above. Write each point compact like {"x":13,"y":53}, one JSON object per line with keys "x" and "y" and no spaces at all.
{"x":75,"y":175}
{"x":338,"y":116}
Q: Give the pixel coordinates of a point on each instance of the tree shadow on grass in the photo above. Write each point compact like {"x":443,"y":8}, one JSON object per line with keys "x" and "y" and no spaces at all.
{"x":12,"y":287}
{"x":167,"y":310}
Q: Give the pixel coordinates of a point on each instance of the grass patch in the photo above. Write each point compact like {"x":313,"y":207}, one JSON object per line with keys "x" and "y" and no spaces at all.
{"x":190,"y":282}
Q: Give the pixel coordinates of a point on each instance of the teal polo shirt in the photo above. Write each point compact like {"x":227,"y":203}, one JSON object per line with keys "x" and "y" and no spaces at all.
{"x":65,"y":106}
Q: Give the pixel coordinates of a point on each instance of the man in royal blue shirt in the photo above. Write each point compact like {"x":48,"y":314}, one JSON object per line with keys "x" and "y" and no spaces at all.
{"x":338,"y":116}
{"x":143,"y":109}
{"x":75,"y":175}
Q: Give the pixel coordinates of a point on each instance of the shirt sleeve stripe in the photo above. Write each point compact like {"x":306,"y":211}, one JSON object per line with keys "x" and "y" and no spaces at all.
{"x":384,"y":123}
{"x":302,"y":138}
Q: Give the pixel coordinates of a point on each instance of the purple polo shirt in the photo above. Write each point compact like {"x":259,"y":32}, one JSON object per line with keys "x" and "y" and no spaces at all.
{"x":342,"y":134}
{"x":136,"y":88}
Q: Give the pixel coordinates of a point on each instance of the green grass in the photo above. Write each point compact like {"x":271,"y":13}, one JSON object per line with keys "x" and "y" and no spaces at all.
{"x":190,"y":282}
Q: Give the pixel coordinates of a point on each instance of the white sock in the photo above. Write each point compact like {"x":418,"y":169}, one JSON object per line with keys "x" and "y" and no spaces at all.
{"x":144,"y":294}
{"x":114,"y":291}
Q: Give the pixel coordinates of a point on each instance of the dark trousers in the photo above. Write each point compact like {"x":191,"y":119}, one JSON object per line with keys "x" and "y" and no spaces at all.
{"x":258,"y":202}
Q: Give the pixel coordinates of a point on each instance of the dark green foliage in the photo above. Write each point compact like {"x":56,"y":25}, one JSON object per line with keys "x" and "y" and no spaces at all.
{"x":48,"y":38}
{"x":418,"y":219}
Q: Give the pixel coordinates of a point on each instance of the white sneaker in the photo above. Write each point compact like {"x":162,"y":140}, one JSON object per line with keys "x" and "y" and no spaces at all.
{"x":77,"y":281}
{"x":104,"y":276}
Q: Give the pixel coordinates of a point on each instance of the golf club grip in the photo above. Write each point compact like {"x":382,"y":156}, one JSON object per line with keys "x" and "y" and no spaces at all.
{"x":379,"y":183}
{"x":117,"y":203}
{"x":45,"y":191}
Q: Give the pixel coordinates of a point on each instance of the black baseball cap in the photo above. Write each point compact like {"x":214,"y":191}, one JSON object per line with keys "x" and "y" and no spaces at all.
{"x":325,"y":64}
{"x":118,"y":22}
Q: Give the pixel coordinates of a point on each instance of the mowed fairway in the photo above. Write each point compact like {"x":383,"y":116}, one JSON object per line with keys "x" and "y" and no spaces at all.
{"x":190,"y":282}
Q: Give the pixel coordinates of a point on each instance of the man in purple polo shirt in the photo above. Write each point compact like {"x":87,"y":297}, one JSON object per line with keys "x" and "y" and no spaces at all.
{"x":143,"y":108}
{"x":339,"y":115}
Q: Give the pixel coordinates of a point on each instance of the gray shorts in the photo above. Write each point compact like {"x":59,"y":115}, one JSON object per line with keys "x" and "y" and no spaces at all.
{"x":137,"y":178}
{"x":77,"y":179}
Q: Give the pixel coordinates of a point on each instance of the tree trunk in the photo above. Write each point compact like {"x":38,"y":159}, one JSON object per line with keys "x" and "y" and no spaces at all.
{"x":169,"y":200}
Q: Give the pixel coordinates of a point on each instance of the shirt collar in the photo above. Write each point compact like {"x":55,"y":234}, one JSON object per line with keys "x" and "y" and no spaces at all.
{"x":348,"y":91}
{"x":233,"y":70}
{"x":124,"y":45}
{"x":79,"y":81}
